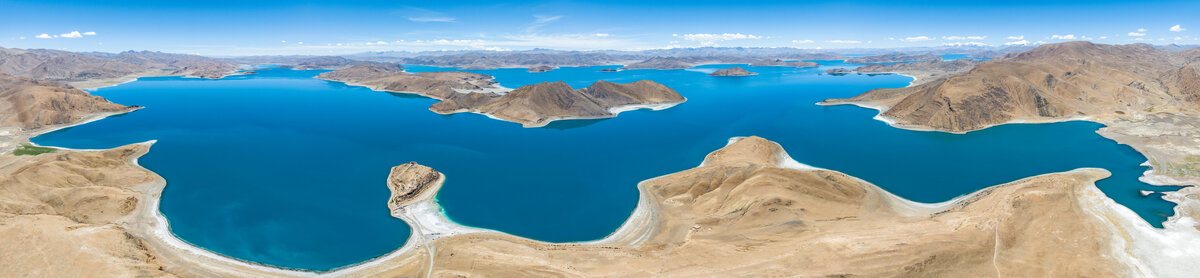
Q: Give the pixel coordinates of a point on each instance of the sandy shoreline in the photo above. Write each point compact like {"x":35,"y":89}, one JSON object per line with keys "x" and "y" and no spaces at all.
{"x":1155,"y":251}
{"x":429,"y":223}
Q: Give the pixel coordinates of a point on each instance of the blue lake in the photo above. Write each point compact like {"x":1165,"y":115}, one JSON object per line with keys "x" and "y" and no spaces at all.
{"x":283,"y":169}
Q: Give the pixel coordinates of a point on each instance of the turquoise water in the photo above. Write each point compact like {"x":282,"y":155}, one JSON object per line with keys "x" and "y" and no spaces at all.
{"x":283,"y":169}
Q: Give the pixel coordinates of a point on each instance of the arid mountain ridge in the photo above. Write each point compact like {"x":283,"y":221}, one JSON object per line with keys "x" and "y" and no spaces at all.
{"x":1052,"y":82}
{"x":57,"y":65}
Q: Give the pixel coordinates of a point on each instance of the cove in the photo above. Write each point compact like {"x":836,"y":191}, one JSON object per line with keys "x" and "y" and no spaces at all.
{"x":283,"y":169}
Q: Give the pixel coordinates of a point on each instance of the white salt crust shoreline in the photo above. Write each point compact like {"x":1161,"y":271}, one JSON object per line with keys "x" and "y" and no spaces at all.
{"x":1160,"y":251}
{"x":428,"y":223}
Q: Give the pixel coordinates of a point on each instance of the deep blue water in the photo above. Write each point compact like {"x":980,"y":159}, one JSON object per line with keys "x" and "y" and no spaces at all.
{"x":283,"y":169}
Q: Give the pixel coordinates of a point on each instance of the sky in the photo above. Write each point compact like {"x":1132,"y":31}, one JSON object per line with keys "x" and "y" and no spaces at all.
{"x":268,"y":27}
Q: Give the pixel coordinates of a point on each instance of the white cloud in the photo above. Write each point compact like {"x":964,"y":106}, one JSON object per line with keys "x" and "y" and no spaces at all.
{"x":22,"y":38}
{"x":711,"y":39}
{"x":283,"y":41}
{"x":72,"y":35}
{"x":602,"y":35}
{"x":1177,"y":28}
{"x":917,"y":39}
{"x":43,"y":36}
{"x":1020,"y":42}
{"x":539,"y":21}
{"x":1136,"y":34}
{"x":957,"y":38}
{"x":1016,"y":37}
{"x":1141,"y":29}
{"x":1179,"y":38}
{"x":1103,"y":37}
{"x":802,"y":41}
{"x":843,"y":41}
{"x":299,"y":42}
{"x":89,"y":33}
{"x":965,"y":44}
{"x":432,"y":19}
{"x":1063,"y":37}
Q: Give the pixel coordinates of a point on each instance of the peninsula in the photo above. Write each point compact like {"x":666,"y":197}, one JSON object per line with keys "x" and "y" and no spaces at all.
{"x":1147,"y":97}
{"x":532,"y":105}
{"x":747,"y":210}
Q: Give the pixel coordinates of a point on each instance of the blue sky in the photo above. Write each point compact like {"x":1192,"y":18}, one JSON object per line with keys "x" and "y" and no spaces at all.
{"x":226,"y":28}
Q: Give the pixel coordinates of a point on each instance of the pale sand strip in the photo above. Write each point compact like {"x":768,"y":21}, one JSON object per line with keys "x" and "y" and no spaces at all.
{"x":1160,"y":250}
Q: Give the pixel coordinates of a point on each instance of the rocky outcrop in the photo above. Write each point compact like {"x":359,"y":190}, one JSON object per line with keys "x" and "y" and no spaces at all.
{"x":894,"y":58}
{"x":409,"y":180}
{"x":1050,"y":83}
{"x":539,"y":104}
{"x":734,"y":71}
{"x":32,"y":104}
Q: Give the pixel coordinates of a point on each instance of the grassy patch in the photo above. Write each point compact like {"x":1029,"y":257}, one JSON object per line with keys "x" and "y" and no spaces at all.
{"x":27,"y":149}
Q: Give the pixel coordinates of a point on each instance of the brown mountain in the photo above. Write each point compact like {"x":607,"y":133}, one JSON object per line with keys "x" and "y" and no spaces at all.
{"x":539,"y":104}
{"x":94,"y":67}
{"x":893,"y":58}
{"x":734,"y":71}
{"x":1049,"y":83}
{"x":392,"y":78}
{"x":532,"y":105}
{"x":782,"y":63}
{"x":924,"y":70}
{"x":31,"y":104}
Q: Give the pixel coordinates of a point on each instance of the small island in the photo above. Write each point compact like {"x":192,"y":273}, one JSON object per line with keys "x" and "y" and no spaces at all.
{"x":531,"y":105}
{"x":541,"y":69}
{"x":734,"y":71}
{"x":838,"y":71}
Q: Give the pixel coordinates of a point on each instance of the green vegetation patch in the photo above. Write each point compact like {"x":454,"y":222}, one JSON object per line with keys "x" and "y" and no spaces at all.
{"x":27,"y":149}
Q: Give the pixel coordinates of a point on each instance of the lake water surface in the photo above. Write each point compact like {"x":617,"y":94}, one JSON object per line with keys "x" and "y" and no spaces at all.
{"x":283,"y":169}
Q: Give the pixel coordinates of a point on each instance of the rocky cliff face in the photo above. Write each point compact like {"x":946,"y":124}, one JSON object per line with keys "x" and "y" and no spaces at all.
{"x":1051,"y":82}
{"x":734,"y":71}
{"x":31,"y":104}
{"x":409,"y":180}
